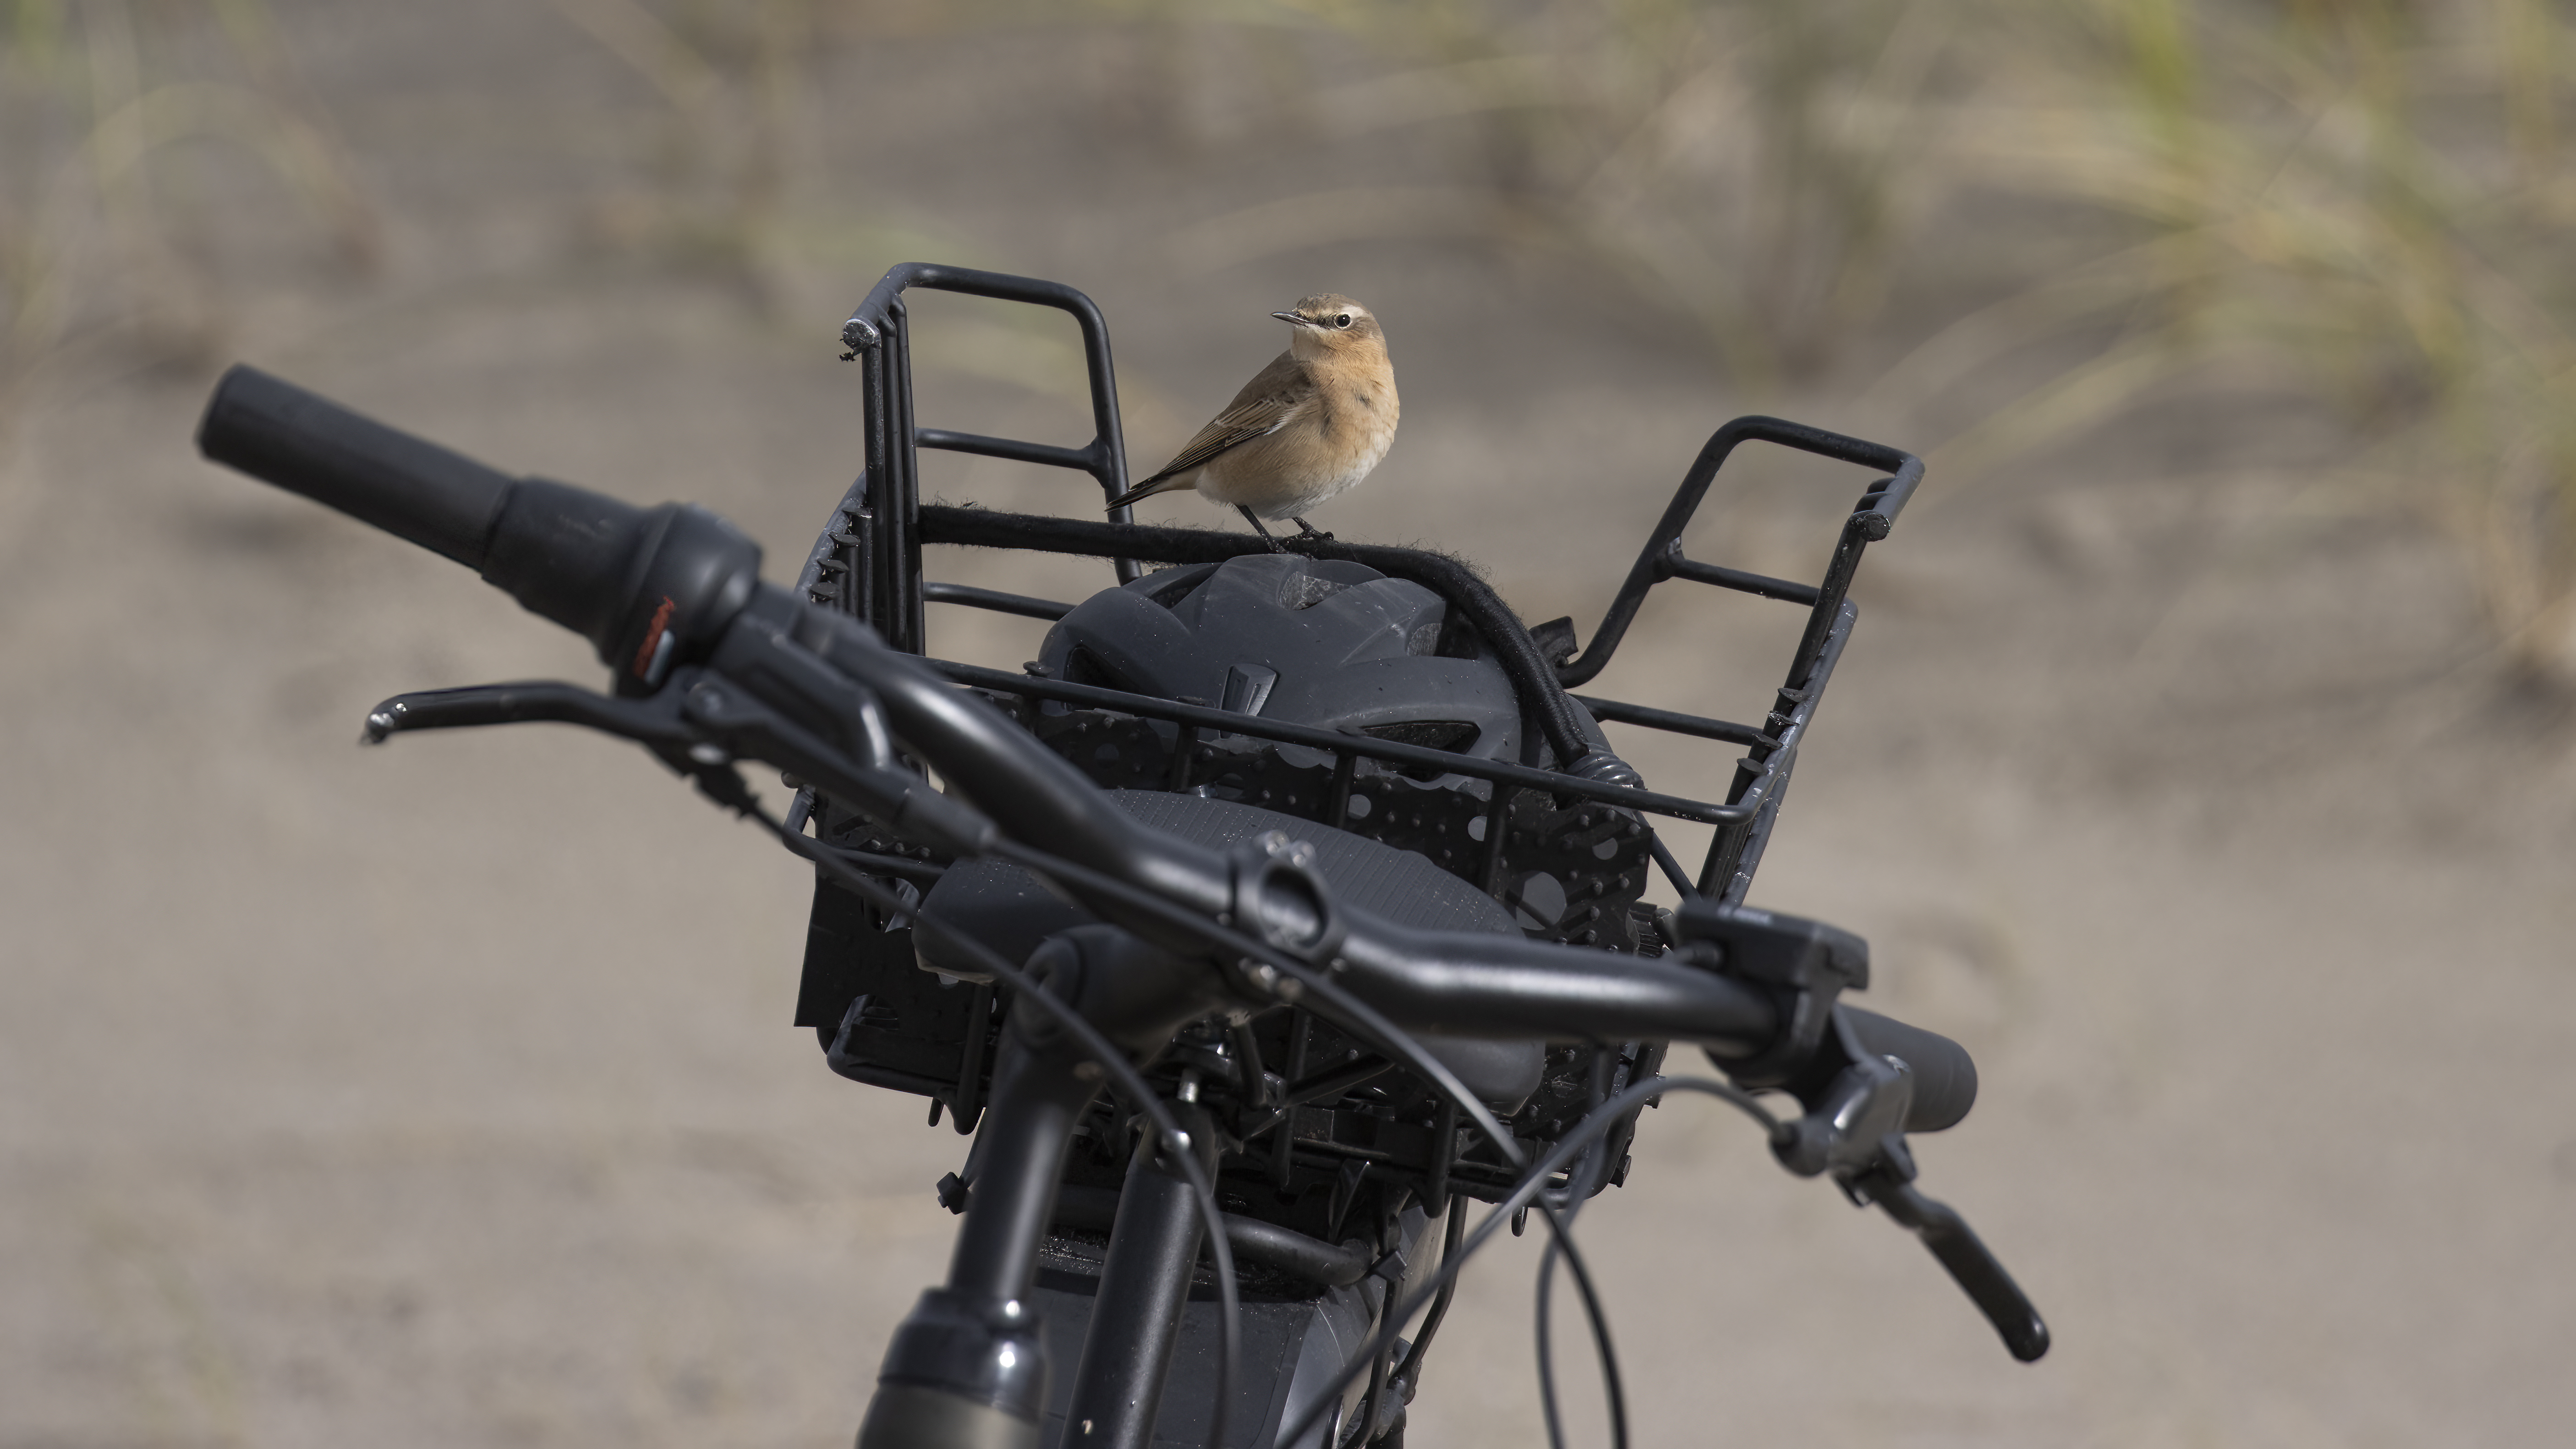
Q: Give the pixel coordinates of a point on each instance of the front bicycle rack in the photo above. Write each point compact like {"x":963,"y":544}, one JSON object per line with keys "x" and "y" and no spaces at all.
{"x":1511,"y":823}
{"x":869,"y":562}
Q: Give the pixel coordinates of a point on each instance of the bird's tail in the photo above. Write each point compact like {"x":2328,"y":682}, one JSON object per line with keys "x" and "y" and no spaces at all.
{"x":1160,"y":483}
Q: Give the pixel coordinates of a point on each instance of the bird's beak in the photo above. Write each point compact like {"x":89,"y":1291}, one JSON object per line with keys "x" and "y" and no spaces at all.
{"x":1293,"y":320}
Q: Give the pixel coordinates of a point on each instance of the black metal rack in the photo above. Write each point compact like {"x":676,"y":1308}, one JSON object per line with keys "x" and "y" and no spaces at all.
{"x":869,"y":562}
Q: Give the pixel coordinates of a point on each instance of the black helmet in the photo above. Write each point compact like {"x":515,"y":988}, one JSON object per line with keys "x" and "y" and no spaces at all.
{"x":1319,"y":642}
{"x":1339,"y":646}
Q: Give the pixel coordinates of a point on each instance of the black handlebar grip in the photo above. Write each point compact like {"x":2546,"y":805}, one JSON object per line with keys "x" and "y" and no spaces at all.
{"x":643,"y":585}
{"x":304,"y":443}
{"x":1945,"y":1076}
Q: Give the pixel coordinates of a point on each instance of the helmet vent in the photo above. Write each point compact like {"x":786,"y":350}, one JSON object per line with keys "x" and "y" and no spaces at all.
{"x":1168,"y":587}
{"x":1082,"y":666}
{"x":1304,"y":590}
{"x":1430,"y":734}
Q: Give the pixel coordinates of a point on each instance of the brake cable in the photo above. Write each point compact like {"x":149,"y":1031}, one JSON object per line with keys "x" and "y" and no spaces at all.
{"x":1527,"y":1193}
{"x":720,"y":783}
{"x":1129,"y":1080}
{"x":1409,"y":1373}
{"x":1392,"y":1039}
{"x":718,"y":780}
{"x":1594,"y":1168}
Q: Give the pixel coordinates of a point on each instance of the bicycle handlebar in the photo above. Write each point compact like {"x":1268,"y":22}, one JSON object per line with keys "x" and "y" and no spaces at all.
{"x":651,"y":586}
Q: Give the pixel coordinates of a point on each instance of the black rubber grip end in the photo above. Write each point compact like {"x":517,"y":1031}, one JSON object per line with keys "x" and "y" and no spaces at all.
{"x":1945,"y":1076}
{"x":304,"y":443}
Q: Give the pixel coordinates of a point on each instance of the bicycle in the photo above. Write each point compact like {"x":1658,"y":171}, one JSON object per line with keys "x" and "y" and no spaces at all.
{"x":1326,"y":806}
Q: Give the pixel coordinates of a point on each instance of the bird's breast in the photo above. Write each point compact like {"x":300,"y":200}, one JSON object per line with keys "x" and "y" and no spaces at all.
{"x":1339,"y":438}
{"x":1360,"y":410}
{"x":1352,"y":441}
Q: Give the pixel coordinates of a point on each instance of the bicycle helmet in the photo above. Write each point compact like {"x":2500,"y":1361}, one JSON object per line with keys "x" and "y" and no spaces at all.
{"x":1319,"y":642}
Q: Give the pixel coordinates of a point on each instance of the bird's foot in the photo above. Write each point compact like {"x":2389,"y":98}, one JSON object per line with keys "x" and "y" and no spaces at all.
{"x":1255,"y":520}
{"x":1311,"y":531}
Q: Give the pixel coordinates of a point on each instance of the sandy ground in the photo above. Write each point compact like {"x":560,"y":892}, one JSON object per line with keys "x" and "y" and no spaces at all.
{"x":445,"y":1094}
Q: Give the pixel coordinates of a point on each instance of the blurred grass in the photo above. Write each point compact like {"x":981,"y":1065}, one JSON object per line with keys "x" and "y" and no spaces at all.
{"x":2360,"y":203}
{"x":1998,"y":226}
{"x":2363,"y":202}
{"x":738,"y":184}
{"x":736,"y":178}
{"x":103,"y":247}
{"x":1751,"y":165}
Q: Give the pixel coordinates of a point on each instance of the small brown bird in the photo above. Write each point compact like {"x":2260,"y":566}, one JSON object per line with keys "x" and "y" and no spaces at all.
{"x":1310,"y":426}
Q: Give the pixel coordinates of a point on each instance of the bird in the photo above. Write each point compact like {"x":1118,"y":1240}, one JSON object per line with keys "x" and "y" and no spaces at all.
{"x":1307,"y":428}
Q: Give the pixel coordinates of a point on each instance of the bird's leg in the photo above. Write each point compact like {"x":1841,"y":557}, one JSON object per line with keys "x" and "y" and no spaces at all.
{"x":1312,"y":531}
{"x":1255,"y":520}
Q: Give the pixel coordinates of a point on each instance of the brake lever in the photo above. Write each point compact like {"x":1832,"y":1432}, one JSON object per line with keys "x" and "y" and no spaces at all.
{"x":1854,"y":1128}
{"x":1856,"y":1100}
{"x":655,"y":721}
{"x":1972,"y":1265}
{"x":699,"y":722}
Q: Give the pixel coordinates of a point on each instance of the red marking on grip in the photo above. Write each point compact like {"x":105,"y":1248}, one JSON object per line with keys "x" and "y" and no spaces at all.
{"x":653,"y":637}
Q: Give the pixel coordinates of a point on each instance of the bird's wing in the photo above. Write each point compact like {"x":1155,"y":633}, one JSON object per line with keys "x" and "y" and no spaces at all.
{"x":1278,"y":395}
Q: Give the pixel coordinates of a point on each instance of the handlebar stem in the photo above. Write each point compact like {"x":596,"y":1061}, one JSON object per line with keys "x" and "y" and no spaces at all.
{"x":1144,"y":1283}
{"x":971,"y":1358}
{"x":1137,"y":997}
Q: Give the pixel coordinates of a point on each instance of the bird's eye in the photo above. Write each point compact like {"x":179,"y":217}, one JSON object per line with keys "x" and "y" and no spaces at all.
{"x":1343,"y":320}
